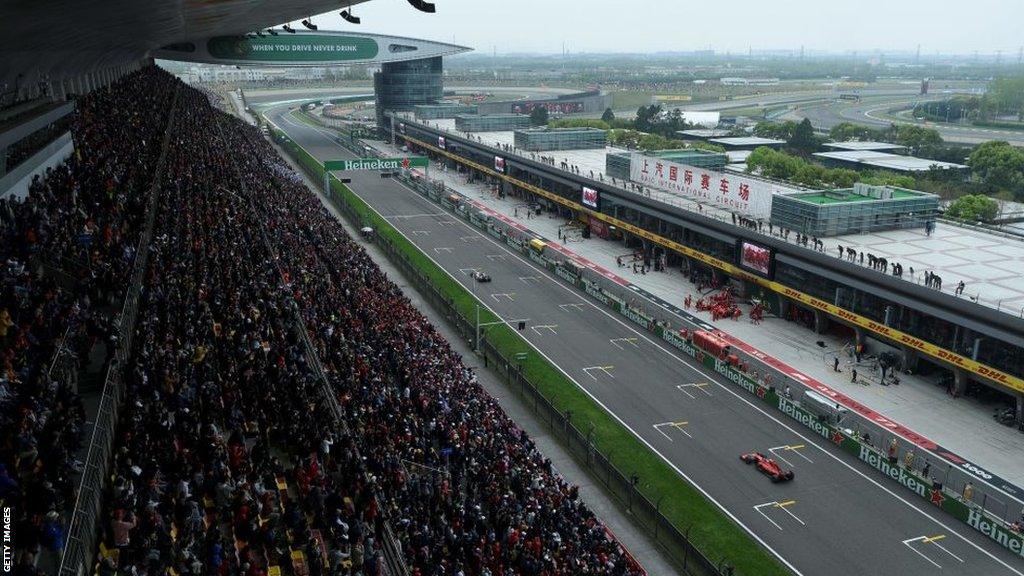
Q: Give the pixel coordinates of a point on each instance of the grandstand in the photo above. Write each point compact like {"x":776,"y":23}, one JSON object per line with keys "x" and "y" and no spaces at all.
{"x":203,"y":373}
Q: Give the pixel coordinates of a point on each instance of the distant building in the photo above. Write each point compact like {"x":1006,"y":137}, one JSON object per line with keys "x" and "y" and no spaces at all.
{"x":871,"y":159}
{"x":225,"y":74}
{"x":490,"y":122}
{"x":856,"y":210}
{"x":617,"y":164}
{"x":700,"y":118}
{"x":701,"y":134}
{"x":866,"y":146}
{"x":746,"y":142}
{"x":579,"y":103}
{"x":543,"y":139}
{"x":441,"y":110}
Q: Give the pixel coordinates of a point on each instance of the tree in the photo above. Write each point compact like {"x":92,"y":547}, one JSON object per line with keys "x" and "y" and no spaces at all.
{"x":608,"y":115}
{"x":579,"y":123}
{"x":999,"y":165}
{"x":1006,"y":96}
{"x":847,"y":131}
{"x":539,"y":116}
{"x":918,"y":140}
{"x":972,"y":208}
{"x":803,"y":137}
{"x":777,"y":130}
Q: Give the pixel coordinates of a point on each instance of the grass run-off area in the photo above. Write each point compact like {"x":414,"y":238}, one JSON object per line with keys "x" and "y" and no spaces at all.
{"x":708,"y":528}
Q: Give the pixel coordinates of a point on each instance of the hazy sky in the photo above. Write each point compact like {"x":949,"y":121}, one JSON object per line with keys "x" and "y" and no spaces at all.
{"x":944,"y":26}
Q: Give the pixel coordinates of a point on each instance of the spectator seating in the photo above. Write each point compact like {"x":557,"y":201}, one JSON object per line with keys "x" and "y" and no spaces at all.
{"x":84,"y":211}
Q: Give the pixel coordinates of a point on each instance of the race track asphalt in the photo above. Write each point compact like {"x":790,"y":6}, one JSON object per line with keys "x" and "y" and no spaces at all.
{"x":837,"y":518}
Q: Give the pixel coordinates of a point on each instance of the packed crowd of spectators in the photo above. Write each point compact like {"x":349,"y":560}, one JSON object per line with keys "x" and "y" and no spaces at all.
{"x":230,"y":461}
{"x":29,"y":145}
{"x":85,"y":211}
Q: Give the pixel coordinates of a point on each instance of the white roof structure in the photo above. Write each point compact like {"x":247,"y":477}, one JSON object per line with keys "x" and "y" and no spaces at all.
{"x":703,"y":133}
{"x":875,"y":146}
{"x":746,"y":141}
{"x":706,"y":119}
{"x":887,"y":161}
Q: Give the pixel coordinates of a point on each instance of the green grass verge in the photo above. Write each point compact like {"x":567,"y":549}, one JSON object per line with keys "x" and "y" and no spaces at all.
{"x":629,"y":100}
{"x":709,"y":529}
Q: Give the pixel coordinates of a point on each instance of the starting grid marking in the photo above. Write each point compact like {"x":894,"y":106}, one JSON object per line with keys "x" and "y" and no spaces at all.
{"x":618,"y":342}
{"x":677,"y":425}
{"x":468,"y":271}
{"x":420,"y":233}
{"x":695,"y":385}
{"x":794,"y":449}
{"x":510,"y":296}
{"x":446,"y":222}
{"x":528,"y":279}
{"x":606,"y":369}
{"x":934,"y":540}
{"x":784,"y":506}
{"x":446,"y":250}
{"x":547,"y":327}
{"x":577,"y":306}
{"x":469,"y":239}
{"x":494,"y":257}
{"x":410,"y":216}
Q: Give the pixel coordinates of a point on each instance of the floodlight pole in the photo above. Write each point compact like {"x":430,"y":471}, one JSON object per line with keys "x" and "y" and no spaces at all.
{"x":479,"y":325}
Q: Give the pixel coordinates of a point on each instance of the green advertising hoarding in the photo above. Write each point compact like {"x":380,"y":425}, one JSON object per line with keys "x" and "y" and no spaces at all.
{"x":376,"y":163}
{"x":325,"y":48}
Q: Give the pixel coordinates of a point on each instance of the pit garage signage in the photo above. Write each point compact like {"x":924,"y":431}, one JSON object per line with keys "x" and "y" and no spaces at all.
{"x":731,"y":191}
{"x":325,"y":48}
{"x":376,"y":164}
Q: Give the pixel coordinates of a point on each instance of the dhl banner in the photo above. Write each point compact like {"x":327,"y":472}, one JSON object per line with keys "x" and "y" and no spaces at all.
{"x":673,"y":97}
{"x":891,"y":334}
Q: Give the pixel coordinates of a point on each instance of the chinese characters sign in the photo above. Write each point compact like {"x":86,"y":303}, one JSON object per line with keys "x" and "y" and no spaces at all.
{"x":748,"y":196}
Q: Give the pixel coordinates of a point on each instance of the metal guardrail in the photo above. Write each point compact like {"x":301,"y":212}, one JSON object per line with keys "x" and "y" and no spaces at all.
{"x":83,"y":530}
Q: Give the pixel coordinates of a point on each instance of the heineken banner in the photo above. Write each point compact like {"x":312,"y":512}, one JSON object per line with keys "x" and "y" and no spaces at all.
{"x":376,"y":163}
{"x":305,"y":48}
{"x":289,"y":48}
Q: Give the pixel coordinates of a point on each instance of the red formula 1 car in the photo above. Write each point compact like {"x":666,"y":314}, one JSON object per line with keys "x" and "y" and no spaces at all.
{"x":768,"y":467}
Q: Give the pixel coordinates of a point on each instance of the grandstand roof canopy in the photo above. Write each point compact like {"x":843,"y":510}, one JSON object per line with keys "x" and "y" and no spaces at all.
{"x":57,"y":39}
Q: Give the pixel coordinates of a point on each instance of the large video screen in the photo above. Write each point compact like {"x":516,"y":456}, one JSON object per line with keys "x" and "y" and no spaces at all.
{"x":756,"y":258}
{"x":440,"y":142}
{"x":499,"y":164}
{"x":590,"y":198}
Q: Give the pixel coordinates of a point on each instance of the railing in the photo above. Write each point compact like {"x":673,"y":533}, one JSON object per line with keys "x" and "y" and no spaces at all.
{"x":83,"y":531}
